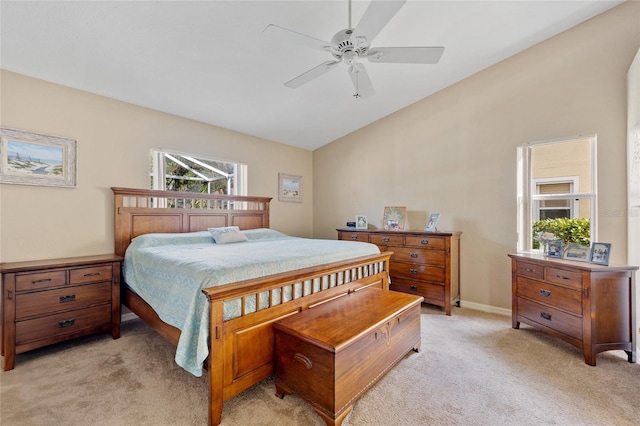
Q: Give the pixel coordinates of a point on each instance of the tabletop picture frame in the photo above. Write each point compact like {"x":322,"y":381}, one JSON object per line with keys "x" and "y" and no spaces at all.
{"x":361,"y":222}
{"x":554,"y":249}
{"x":432,"y":224}
{"x":28,"y":158}
{"x":575,"y":251}
{"x":600,"y":253}
{"x":394,"y":218}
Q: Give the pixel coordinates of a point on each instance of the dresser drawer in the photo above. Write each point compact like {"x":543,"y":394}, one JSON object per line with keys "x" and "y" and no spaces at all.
{"x":414,"y":271}
{"x":383,"y":240}
{"x":63,"y":323}
{"x":563,"y":322}
{"x":432,"y":293}
{"x":355,"y":236}
{"x":40,"y":280}
{"x":91,"y":274}
{"x":565,"y":277}
{"x":63,"y":299}
{"x":415,"y":255}
{"x":560,"y":297}
{"x":530,"y":270}
{"x":428,"y":242}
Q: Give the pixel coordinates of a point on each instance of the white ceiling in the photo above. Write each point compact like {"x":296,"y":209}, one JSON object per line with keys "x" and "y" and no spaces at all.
{"x":209,"y":61}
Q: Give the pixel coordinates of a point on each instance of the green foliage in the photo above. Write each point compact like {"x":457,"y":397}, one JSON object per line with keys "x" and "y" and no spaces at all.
{"x":568,"y":230}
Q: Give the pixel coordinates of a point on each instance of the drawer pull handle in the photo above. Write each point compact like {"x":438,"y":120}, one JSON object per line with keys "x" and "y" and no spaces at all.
{"x":93,"y":274}
{"x":562,"y":277}
{"x":69,"y":298}
{"x":425,"y":242}
{"x":529,"y":270}
{"x":413,"y":271}
{"x":385,"y":239}
{"x":44,"y":280}
{"x":67,"y":323}
{"x":303,"y":360}
{"x":413,"y":288}
{"x":545,"y":293}
{"x":545,"y":316}
{"x":414,"y":255}
{"x":354,"y":237}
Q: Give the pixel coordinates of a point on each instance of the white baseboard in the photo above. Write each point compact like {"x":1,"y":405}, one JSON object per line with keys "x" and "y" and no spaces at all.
{"x":485,"y":308}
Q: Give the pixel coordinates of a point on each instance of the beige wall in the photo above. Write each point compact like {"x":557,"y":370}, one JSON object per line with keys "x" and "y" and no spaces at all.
{"x":114,"y":139}
{"x":455,"y":152}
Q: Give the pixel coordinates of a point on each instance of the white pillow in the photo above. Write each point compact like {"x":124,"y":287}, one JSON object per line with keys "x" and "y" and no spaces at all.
{"x":227,"y":234}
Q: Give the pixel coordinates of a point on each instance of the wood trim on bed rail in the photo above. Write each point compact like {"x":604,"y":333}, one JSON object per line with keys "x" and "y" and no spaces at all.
{"x":246,"y":343}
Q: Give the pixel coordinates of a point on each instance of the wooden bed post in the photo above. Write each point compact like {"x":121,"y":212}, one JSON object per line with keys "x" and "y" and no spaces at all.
{"x":216,"y":369}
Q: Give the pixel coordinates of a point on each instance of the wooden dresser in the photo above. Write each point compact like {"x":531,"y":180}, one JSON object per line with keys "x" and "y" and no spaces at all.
{"x":333,"y":353}
{"x":588,"y":305}
{"x":49,"y":301}
{"x":426,"y":264}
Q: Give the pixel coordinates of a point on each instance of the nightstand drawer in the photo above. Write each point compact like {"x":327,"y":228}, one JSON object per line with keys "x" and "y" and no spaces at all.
{"x":417,"y":272}
{"x":63,"y":323}
{"x":92,"y":274}
{"x":63,"y":299}
{"x":428,"y":242}
{"x":41,"y":280}
{"x":559,"y":297}
{"x":415,"y":255}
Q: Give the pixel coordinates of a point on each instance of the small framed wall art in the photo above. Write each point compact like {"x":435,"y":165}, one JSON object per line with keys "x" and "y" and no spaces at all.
{"x":361,"y":222}
{"x":432,"y":225}
{"x":28,"y":158}
{"x":600,"y":253}
{"x":394,"y":217}
{"x":289,"y":188}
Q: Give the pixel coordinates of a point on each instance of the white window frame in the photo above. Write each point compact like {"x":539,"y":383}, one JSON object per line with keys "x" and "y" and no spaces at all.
{"x":526,"y":192}
{"x":159,"y":175}
{"x":574,"y":181}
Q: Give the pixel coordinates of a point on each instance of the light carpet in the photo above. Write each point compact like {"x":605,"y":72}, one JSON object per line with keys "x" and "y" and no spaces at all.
{"x":473,"y":369}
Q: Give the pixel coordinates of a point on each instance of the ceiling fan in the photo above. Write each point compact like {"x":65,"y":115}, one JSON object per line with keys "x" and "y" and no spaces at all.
{"x":352,"y":44}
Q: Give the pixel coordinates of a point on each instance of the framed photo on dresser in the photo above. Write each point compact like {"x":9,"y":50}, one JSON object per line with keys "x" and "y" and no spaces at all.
{"x":433,"y":222}
{"x":600,"y":253}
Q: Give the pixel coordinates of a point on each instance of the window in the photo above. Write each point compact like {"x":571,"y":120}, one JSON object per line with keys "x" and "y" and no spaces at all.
{"x":174,"y":171}
{"x":556,"y":179}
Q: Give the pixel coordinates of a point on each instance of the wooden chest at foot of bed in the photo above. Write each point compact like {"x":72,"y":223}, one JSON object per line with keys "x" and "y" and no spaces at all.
{"x":331,"y":354}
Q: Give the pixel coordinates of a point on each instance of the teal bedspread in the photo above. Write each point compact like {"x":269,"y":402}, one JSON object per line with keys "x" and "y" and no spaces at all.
{"x":169,"y":271}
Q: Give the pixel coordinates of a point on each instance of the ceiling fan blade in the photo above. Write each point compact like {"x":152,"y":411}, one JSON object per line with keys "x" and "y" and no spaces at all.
{"x":361,"y":81}
{"x":377,"y":15}
{"x":405,"y":55}
{"x":311,"y":74}
{"x":289,"y":36}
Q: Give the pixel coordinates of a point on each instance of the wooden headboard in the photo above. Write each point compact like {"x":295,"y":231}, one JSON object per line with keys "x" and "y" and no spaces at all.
{"x":144,"y":211}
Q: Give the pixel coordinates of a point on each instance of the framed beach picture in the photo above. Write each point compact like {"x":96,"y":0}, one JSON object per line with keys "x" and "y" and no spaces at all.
{"x":575,"y":251}
{"x":393,"y":219}
{"x":28,"y":158}
{"x":289,"y":187}
{"x":600,"y":253}
{"x":432,"y":223}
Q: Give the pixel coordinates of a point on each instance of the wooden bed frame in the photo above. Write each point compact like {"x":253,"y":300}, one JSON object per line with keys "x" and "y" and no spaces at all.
{"x":241,"y":350}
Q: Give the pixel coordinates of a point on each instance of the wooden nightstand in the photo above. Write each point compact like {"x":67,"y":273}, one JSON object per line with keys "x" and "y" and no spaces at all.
{"x":49,"y":301}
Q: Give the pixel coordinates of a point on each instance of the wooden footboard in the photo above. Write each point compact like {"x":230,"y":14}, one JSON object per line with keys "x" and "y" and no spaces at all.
{"x":246,"y":344}
{"x":241,"y":348}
